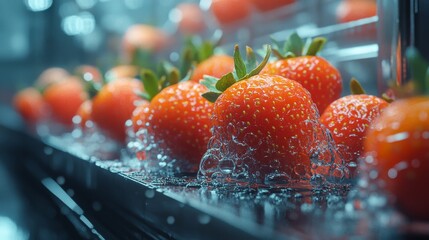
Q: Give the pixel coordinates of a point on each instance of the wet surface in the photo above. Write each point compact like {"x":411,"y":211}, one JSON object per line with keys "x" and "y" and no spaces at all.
{"x":180,"y":206}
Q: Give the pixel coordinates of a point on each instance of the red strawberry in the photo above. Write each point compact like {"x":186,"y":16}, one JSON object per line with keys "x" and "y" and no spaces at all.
{"x":216,"y":66}
{"x":398,"y":141}
{"x":114,"y":104}
{"x":262,"y":124}
{"x":30,"y":105}
{"x":179,"y":119}
{"x":301,"y":64}
{"x":348,"y":119}
{"x":84,"y":113}
{"x":63,"y":98}
{"x":51,"y":75}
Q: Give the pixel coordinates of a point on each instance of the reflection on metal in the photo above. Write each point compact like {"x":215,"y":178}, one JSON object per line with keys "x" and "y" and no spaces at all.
{"x":401,"y":24}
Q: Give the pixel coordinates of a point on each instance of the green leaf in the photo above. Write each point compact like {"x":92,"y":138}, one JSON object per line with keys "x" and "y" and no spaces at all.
{"x":205,"y":51}
{"x":240,"y":67}
{"x":355,"y":87}
{"x":225,"y":82}
{"x":150,"y":82}
{"x":188,"y":75}
{"x":261,"y":66}
{"x":419,"y":68}
{"x":187,"y":60}
{"x":210,"y":83}
{"x":294,"y":44}
{"x":173,"y":77}
{"x":251,"y":58}
{"x":211,"y":96}
{"x":315,"y":46}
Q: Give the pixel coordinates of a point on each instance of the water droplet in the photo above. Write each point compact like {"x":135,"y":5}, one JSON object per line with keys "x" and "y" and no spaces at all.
{"x":227,"y":166}
{"x":204,"y":219}
{"x":48,"y":150}
{"x":170,"y":220}
{"x":61,"y":180}
{"x":150,"y":193}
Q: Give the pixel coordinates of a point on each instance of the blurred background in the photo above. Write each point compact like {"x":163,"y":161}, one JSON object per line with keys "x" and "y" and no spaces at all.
{"x":37,"y":34}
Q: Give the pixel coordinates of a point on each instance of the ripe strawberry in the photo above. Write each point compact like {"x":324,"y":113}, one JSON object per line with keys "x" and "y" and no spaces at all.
{"x":179,"y":118}
{"x":261,"y":123}
{"x":351,"y":10}
{"x":399,"y":142}
{"x":114,"y":104}
{"x":216,"y":66}
{"x":63,"y":98}
{"x":143,"y":37}
{"x":301,"y":64}
{"x":30,"y":105}
{"x":51,"y":75}
{"x":191,"y":19}
{"x":229,"y":11}
{"x":348,"y":119}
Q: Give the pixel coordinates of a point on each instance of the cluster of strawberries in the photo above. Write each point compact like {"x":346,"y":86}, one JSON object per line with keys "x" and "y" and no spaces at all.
{"x":266,"y":106}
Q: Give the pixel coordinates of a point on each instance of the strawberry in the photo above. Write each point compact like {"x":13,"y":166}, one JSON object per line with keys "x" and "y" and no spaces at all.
{"x":216,"y":66}
{"x":264,"y":5}
{"x":351,"y":10}
{"x":230,"y":11}
{"x":51,"y":75}
{"x":114,"y":104}
{"x":177,"y":119}
{"x":63,"y":98}
{"x":301,"y":64}
{"x":262,"y":124}
{"x":191,"y":20}
{"x":398,"y":142}
{"x":348,"y":119}
{"x":30,"y":105}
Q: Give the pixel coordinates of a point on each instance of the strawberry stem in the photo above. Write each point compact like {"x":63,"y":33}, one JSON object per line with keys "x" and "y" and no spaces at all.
{"x":294,"y":47}
{"x":315,"y":46}
{"x":355,"y":87}
{"x":240,"y":73}
{"x":419,"y":69}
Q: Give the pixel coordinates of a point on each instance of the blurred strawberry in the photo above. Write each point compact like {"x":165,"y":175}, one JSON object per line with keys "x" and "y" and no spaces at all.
{"x":300,"y":63}
{"x":351,"y":10}
{"x":30,"y":105}
{"x":143,"y":37}
{"x":398,"y":142}
{"x":63,"y":98}
{"x":51,"y":75}
{"x":230,"y":11}
{"x":264,"y":5}
{"x":216,"y":66}
{"x":190,"y":18}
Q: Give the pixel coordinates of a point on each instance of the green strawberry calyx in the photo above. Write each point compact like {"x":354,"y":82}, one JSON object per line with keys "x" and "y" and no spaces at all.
{"x":195,"y":51}
{"x":242,"y":71}
{"x":165,"y":76}
{"x":419,"y":70}
{"x":356,"y":88}
{"x":295,"y":46}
